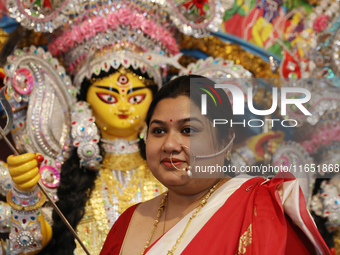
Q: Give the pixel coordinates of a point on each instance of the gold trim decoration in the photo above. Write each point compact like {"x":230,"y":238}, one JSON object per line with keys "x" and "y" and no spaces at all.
{"x":3,"y":38}
{"x":245,"y":240}
{"x":123,"y":162}
{"x":114,"y":187}
{"x":215,"y":47}
{"x":17,"y":207}
{"x":33,"y":38}
{"x":94,"y":226}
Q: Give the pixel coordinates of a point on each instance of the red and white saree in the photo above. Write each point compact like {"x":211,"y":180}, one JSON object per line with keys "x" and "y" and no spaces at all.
{"x":244,"y":216}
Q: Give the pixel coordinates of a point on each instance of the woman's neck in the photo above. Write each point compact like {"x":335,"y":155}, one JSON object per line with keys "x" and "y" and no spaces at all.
{"x":185,"y":203}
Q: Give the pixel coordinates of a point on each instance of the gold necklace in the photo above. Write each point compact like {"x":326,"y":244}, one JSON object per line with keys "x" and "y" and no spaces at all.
{"x":161,"y":209}
{"x":159,"y":213}
{"x":200,"y":206}
{"x":166,"y":207}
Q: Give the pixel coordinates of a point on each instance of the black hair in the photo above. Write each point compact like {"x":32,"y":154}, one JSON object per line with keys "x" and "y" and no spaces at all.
{"x":74,"y":189}
{"x":189,"y":85}
{"x":76,"y":185}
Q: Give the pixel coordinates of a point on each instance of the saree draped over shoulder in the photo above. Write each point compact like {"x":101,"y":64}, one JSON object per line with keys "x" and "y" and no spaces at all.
{"x":244,"y":216}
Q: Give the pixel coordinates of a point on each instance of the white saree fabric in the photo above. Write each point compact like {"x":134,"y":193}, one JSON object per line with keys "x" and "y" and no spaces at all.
{"x":291,"y":206}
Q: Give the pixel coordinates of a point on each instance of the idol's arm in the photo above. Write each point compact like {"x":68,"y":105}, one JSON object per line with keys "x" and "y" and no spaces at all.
{"x":29,"y":231}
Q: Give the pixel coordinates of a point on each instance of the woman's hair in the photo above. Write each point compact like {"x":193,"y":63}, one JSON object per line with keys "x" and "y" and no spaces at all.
{"x":193,"y":86}
{"x":76,"y":185}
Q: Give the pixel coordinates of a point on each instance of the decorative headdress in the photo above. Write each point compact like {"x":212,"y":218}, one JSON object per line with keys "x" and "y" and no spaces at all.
{"x":316,"y":51}
{"x":99,"y":35}
{"x":94,"y":36}
{"x":191,"y":17}
{"x":219,"y":68}
{"x":325,"y":98}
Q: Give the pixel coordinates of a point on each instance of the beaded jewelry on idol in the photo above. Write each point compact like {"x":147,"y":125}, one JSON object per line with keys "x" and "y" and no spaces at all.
{"x":25,"y":234}
{"x":221,"y":70}
{"x":5,"y":219}
{"x":85,"y":135}
{"x":326,"y":203}
{"x":5,"y":180}
{"x":188,"y":16}
{"x":35,"y":78}
{"x":215,"y":68}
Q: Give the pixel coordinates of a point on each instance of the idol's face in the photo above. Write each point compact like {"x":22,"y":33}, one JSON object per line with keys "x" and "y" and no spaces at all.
{"x":119,"y":103}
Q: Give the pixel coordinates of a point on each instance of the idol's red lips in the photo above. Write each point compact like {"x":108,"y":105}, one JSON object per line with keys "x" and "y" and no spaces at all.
{"x":123,"y":116}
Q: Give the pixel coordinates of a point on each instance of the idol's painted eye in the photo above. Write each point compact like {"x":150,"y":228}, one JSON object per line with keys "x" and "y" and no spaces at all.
{"x":136,"y":99}
{"x":123,"y":79}
{"x":107,"y":98}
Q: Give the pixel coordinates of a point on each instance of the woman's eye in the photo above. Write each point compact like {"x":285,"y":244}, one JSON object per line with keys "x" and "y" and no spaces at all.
{"x":107,"y":98}
{"x":136,"y":99}
{"x":188,"y":130}
{"x":158,"y":131}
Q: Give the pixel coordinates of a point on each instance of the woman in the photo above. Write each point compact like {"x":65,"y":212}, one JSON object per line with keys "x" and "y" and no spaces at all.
{"x":208,"y":214}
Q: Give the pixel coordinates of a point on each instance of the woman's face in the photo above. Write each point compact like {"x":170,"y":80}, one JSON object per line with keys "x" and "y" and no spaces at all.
{"x":119,"y":103}
{"x":175,"y":126}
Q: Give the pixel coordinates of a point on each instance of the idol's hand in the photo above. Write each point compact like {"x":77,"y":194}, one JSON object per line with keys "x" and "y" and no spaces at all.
{"x":272,"y":138}
{"x":24,"y":170}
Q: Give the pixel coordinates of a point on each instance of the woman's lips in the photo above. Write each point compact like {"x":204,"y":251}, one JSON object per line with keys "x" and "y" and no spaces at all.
{"x":175,"y":162}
